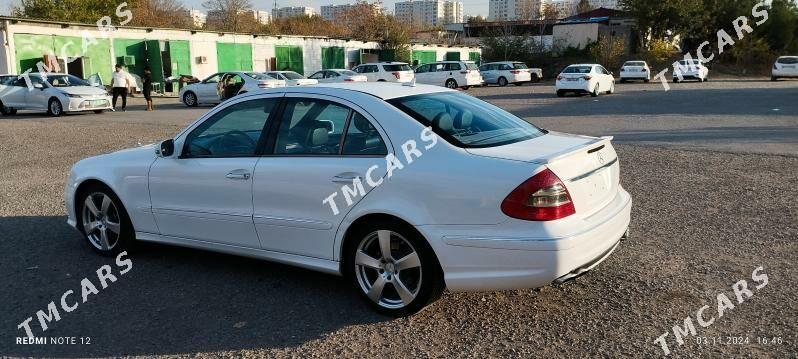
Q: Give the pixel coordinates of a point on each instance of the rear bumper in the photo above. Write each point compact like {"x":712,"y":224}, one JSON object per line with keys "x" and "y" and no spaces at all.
{"x":635,"y":76}
{"x":580,"y":86}
{"x":785,"y":73}
{"x":502,"y":258}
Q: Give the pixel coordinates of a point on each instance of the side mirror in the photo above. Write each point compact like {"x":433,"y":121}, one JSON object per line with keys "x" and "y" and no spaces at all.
{"x":38,"y":86}
{"x":166,"y":149}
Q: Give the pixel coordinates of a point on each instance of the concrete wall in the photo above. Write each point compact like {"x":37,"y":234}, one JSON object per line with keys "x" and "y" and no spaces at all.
{"x":575,"y":35}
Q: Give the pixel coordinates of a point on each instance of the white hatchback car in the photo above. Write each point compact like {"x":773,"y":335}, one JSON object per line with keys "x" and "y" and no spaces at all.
{"x":585,"y":78}
{"x":785,"y":66}
{"x":52,"y":92}
{"x":451,"y":74}
{"x":405,"y":190}
{"x":509,"y":72}
{"x":337,"y":75}
{"x":690,"y":69}
{"x":385,"y":71}
{"x":635,"y":70}
{"x":207,"y":91}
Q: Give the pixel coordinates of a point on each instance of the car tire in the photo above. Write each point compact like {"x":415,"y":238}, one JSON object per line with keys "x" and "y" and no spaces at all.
{"x":190,"y":99}
{"x":394,"y":287}
{"x":612,"y":89}
{"x":6,"y":111}
{"x":502,"y":81}
{"x":535,"y":78}
{"x":772,"y":78}
{"x":451,"y":83}
{"x":595,"y":92}
{"x":99,"y":111}
{"x":623,"y":81}
{"x":54,"y":107}
{"x":560,"y":93}
{"x":106,"y":226}
{"x":646,"y":80}
{"x":676,"y":80}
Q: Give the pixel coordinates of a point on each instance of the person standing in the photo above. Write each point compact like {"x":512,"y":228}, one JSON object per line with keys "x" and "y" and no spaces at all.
{"x":120,"y":81}
{"x":147,"y":87}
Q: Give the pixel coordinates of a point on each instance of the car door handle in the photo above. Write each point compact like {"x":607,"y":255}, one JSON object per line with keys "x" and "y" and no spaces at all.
{"x":344,"y":178}
{"x":236,"y":175}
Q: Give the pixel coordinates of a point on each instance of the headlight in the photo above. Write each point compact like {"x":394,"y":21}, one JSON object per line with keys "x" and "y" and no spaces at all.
{"x":72,"y":95}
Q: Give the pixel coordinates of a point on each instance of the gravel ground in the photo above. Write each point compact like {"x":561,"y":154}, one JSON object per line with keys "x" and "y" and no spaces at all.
{"x":702,"y":220}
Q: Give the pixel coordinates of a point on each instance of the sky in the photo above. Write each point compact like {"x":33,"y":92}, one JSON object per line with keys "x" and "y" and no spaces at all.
{"x":472,"y":7}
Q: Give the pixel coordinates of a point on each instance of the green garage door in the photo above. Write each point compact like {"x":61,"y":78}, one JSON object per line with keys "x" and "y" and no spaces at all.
{"x":424,"y":57}
{"x":475,"y":56}
{"x":29,"y":49}
{"x":289,"y":58}
{"x":234,"y":57}
{"x":180,"y":56}
{"x":453,"y":56}
{"x":332,"y":58}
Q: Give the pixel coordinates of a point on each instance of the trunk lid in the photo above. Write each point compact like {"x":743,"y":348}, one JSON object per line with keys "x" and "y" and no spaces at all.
{"x":588,"y":166}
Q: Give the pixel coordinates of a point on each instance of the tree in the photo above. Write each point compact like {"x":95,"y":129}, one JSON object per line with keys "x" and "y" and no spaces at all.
{"x":81,"y":11}
{"x":230,"y":15}
{"x":656,"y":17}
{"x":583,"y":7}
{"x":161,"y":13}
{"x":475,"y":19}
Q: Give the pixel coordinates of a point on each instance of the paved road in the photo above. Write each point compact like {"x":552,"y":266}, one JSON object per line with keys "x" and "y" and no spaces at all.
{"x":702,"y":221}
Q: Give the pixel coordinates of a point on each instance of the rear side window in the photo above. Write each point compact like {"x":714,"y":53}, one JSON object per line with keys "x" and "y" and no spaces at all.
{"x":504,"y":67}
{"x":452,"y":67}
{"x":311,"y":127}
{"x":362,"y":138}
{"x":788,"y":60}
{"x":399,"y":67}
{"x":466,"y":121}
{"x":519,"y":66}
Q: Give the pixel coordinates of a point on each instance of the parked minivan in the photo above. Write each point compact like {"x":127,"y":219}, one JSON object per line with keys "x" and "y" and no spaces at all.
{"x":452,"y":74}
{"x":385,"y":71}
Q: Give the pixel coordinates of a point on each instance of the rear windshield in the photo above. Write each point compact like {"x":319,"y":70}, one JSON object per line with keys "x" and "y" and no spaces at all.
{"x":292,"y":75}
{"x":466,"y":121}
{"x":519,"y":66}
{"x":258,"y":76}
{"x":577,"y":70}
{"x":788,"y":60}
{"x":399,"y":67}
{"x":635,"y":63}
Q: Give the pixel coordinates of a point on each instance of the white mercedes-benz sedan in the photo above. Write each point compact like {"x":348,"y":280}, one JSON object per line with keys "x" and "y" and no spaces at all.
{"x":404,"y":190}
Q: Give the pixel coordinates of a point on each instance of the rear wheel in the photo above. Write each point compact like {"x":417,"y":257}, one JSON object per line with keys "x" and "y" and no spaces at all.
{"x":560,"y":93}
{"x":393,"y":268}
{"x":518,"y":83}
{"x":535,"y":78}
{"x":595,"y":92}
{"x":772,"y":78}
{"x":104,"y":221}
{"x":502,"y":81}
{"x":99,"y":111}
{"x":451,"y":83}
{"x":190,"y":99}
{"x":6,"y":111}
{"x":612,"y":89}
{"x":54,"y":107}
{"x":646,"y":80}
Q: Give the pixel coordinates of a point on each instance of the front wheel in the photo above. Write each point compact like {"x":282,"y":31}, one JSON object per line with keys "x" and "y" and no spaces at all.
{"x":104,"y":221}
{"x":190,"y":99}
{"x":451,"y":83}
{"x":6,"y":111}
{"x":393,"y":268}
{"x":502,"y":81}
{"x":54,"y":108}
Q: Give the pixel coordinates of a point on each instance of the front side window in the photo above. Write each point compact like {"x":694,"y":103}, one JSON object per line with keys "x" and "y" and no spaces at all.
{"x":398,"y":67}
{"x":311,"y":127}
{"x":466,"y":121}
{"x":212,"y":79}
{"x":317,"y":76}
{"x":232,"y":132}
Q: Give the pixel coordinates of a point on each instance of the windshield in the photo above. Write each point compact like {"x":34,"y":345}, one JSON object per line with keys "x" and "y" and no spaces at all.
{"x":65,"y":81}
{"x":788,"y":60}
{"x":292,"y":75}
{"x":347,"y":73}
{"x":258,"y":76}
{"x":519,"y":66}
{"x":577,"y":70}
{"x":466,"y":121}
{"x":635,"y":63}
{"x":399,"y":67}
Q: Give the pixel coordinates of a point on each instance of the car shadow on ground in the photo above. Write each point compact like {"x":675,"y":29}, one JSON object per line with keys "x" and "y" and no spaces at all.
{"x":174,"y":300}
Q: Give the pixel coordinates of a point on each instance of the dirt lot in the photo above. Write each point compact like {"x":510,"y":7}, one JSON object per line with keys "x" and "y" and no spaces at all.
{"x":711,"y":168}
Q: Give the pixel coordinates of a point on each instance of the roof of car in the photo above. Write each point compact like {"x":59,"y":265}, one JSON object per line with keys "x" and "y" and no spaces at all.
{"x":584,"y":65}
{"x":384,"y":63}
{"x":383,"y":90}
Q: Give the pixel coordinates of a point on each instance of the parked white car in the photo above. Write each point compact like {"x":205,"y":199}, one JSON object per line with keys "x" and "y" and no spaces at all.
{"x":52,"y":92}
{"x":385,"y":71}
{"x":291,"y":78}
{"x":593,"y":79}
{"x":509,"y":72}
{"x":785,"y":66}
{"x":483,"y":200}
{"x":635,"y":70}
{"x":337,"y":75}
{"x":451,"y":74}
{"x":208,"y":90}
{"x":690,"y":69}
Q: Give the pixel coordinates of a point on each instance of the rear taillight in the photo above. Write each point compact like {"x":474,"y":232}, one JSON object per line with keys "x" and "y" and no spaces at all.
{"x":643,"y":70}
{"x":465,"y":72}
{"x":264,"y":85}
{"x":540,"y":198}
{"x":623,"y":69}
{"x":559,"y":77}
{"x":515,"y":72}
{"x":587,"y":78}
{"x":396,"y":74}
{"x":349,"y":80}
{"x":775,"y":66}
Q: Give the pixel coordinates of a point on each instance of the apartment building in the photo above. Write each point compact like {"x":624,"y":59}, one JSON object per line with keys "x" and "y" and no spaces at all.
{"x":429,"y":12}
{"x":289,"y":11}
{"x":198,"y":18}
{"x":500,"y":10}
{"x":331,"y":12}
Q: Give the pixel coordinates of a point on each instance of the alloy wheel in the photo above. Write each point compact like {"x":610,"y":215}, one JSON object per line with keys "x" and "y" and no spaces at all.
{"x":190,"y":99}
{"x":101,"y":221}
{"x":388,"y":269}
{"x":55,"y":107}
